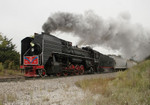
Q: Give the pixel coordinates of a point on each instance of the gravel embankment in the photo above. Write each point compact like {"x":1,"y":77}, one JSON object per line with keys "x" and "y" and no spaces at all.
{"x":58,"y":91}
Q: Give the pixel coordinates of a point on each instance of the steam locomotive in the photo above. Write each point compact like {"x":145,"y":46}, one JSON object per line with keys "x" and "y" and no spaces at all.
{"x":45,"y":54}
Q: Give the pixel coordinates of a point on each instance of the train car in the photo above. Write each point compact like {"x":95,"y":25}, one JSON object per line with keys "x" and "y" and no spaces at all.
{"x":131,"y":63}
{"x":107,"y":64}
{"x":121,"y":63}
{"x":45,"y":54}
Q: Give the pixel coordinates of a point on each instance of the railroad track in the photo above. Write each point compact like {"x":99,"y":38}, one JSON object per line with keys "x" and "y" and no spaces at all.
{"x":10,"y":79}
{"x":22,"y":78}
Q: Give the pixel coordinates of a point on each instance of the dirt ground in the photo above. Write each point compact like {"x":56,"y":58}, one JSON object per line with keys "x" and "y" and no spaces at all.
{"x":57,"y":91}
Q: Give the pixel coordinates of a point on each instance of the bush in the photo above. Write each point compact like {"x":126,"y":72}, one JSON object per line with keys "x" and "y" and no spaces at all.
{"x":6,"y":63}
{"x":10,"y":65}
{"x":1,"y":67}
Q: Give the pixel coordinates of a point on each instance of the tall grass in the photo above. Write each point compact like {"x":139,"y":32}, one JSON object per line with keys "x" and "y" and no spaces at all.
{"x":7,"y":72}
{"x":99,"y":85}
{"x":11,"y":73}
{"x":1,"y":67}
{"x":131,"y":87}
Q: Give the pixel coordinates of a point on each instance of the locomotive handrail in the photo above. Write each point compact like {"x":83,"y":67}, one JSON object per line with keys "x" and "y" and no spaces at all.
{"x":26,"y":52}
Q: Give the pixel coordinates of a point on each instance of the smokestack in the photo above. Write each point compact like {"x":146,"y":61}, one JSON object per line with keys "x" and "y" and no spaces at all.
{"x":118,"y":34}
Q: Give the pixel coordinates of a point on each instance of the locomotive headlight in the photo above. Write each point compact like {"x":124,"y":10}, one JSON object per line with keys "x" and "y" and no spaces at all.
{"x":32,"y":49}
{"x":32,"y":44}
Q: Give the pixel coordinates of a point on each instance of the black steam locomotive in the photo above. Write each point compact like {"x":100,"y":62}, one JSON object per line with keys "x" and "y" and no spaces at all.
{"x":45,"y":54}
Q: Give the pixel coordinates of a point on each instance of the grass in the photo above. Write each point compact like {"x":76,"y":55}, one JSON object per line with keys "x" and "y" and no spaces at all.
{"x":130,"y":87}
{"x":10,"y":72}
{"x":99,"y":85}
{"x":1,"y":103}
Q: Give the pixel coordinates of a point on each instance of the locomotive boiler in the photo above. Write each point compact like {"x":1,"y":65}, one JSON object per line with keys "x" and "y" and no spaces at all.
{"x":45,"y":54}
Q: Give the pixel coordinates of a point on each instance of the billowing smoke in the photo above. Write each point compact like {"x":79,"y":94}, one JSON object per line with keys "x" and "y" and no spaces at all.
{"x":118,"y":34}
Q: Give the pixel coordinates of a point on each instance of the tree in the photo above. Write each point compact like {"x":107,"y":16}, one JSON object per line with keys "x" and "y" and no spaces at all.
{"x":8,"y":54}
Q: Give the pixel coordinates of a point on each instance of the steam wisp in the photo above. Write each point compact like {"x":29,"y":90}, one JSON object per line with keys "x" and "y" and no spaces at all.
{"x":118,"y":34}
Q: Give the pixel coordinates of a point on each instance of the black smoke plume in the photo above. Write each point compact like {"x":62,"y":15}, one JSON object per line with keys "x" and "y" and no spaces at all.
{"x":118,"y":34}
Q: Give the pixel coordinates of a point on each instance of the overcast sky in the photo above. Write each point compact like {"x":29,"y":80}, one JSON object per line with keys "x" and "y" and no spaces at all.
{"x":21,"y":18}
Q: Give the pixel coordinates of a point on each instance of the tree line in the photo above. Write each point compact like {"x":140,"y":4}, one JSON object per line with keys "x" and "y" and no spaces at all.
{"x":9,"y":57}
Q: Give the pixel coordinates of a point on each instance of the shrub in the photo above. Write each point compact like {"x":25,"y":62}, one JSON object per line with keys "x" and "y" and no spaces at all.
{"x":10,"y":65}
{"x":6,"y":63}
{"x":1,"y":67}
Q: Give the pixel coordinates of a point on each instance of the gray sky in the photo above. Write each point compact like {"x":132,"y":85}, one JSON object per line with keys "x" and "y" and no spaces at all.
{"x":21,"y":18}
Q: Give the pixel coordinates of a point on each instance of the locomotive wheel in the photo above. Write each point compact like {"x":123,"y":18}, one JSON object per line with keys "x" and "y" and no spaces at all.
{"x":77,"y":69}
{"x":65,"y":74}
{"x":76,"y":72}
{"x":58,"y":74}
{"x":81,"y":70}
{"x":72,"y":73}
{"x":42,"y":72}
{"x":72,"y":69}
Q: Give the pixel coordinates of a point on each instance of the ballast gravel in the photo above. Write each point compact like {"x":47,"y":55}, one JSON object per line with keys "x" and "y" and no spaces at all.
{"x":57,"y":91}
